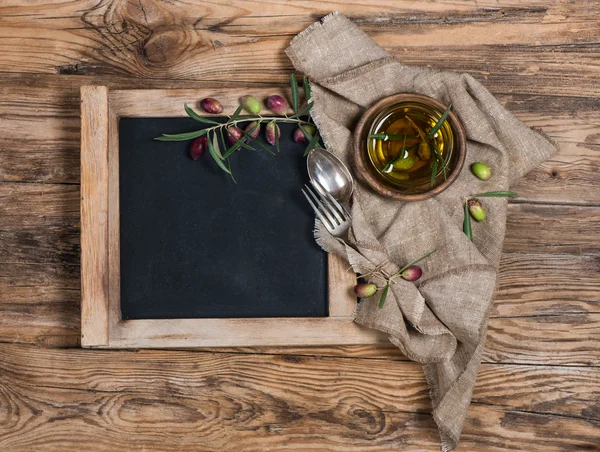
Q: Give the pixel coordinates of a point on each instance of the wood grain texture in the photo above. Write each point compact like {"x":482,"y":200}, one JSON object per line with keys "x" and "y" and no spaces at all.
{"x":114,"y":224}
{"x":94,"y":215}
{"x":273,"y":331}
{"x":538,"y":387}
{"x":341,"y":280}
{"x":203,"y":401}
{"x":214,"y":41}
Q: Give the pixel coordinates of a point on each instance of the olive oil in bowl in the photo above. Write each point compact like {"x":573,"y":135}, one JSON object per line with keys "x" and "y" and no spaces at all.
{"x":404,"y":152}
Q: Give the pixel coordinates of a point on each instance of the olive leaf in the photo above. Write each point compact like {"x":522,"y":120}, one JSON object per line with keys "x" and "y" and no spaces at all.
{"x":312,"y":144}
{"x":216,"y":146}
{"x":242,"y":142}
{"x":257,"y":141}
{"x":305,"y":132}
{"x":416,"y":261}
{"x":302,"y":112}
{"x":391,"y":136}
{"x":441,"y":160}
{"x":307,"y":91}
{"x":294,"y":84}
{"x":397,"y":157}
{"x":434,"y":168}
{"x":236,"y":113}
{"x":217,"y":157}
{"x":440,"y":122}
{"x":182,"y":136}
{"x":467,"y":222}
{"x":234,"y":147}
{"x":498,"y":194}
{"x":384,"y":294}
{"x":230,"y":173}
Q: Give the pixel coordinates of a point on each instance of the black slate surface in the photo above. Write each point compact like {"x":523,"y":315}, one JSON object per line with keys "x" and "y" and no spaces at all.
{"x":194,"y":244}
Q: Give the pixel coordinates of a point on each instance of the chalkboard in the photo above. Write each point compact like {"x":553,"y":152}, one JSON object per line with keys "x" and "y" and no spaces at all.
{"x":196,"y":244}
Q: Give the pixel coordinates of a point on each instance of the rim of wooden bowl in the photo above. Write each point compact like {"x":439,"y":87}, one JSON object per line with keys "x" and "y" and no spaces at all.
{"x":367,"y":172}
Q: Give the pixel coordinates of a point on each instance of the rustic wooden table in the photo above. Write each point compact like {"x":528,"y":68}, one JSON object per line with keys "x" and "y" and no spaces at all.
{"x":539,"y":385}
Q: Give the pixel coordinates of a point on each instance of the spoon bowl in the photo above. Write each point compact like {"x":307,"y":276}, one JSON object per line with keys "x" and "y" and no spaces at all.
{"x":331,"y":174}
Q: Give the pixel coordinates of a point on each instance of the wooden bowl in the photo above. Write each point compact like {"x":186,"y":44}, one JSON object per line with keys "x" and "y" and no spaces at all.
{"x":367,"y":171}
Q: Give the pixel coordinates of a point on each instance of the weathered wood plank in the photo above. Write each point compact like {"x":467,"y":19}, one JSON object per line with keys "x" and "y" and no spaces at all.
{"x":53,"y":397}
{"x":238,"y":13}
{"x":39,"y":200}
{"x":552,"y":229}
{"x":545,"y":284}
{"x":565,"y":391}
{"x":52,"y":240}
{"x":39,"y":304}
{"x":575,"y":389}
{"x":94,"y":215}
{"x":525,"y":431}
{"x":158,"y":40}
{"x":568,"y":339}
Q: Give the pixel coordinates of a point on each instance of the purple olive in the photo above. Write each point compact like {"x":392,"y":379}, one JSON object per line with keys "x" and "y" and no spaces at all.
{"x":234,"y":134}
{"x":365,"y":290}
{"x":299,"y":136}
{"x":412,"y":273}
{"x":198,"y":147}
{"x":253,"y":133}
{"x":210,"y":105}
{"x":270,"y":132}
{"x":277,"y":104}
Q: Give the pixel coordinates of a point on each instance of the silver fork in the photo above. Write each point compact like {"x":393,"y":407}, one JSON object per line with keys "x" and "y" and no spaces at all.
{"x":333,"y":216}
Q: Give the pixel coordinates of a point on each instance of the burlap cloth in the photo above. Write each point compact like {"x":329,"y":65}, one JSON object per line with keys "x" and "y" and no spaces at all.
{"x":441,"y":321}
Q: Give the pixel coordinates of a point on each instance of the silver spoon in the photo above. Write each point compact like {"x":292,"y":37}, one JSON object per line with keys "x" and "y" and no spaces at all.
{"x":331,"y":174}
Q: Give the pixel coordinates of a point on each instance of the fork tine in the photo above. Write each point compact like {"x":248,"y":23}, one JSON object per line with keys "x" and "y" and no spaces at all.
{"x":339,"y":207}
{"x":317,"y":211}
{"x":324,"y":210}
{"x":320,"y":191}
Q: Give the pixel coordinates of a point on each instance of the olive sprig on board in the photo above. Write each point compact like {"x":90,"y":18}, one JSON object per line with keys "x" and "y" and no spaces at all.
{"x":410,"y":272}
{"x":241,"y":131}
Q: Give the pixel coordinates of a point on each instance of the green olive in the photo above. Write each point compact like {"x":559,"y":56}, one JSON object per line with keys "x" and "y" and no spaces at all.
{"x":481,"y":170}
{"x":406,"y":163}
{"x":476,"y":210}
{"x":251,"y":104}
{"x":400,"y":175}
{"x":365,"y":290}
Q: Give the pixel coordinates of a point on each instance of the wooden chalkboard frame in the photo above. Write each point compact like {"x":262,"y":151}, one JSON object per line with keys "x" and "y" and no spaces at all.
{"x":101,"y":323}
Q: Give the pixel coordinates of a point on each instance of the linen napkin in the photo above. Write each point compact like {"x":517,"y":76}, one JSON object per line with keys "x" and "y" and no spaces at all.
{"x":441,"y":321}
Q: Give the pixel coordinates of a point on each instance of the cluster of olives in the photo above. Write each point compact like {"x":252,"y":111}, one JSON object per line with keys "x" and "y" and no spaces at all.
{"x":252,"y":105}
{"x":476,"y":209}
{"x":365,"y":290}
